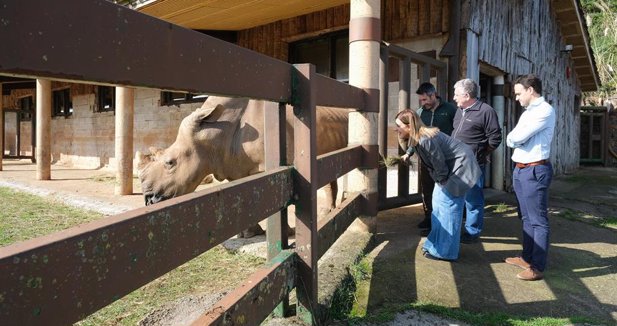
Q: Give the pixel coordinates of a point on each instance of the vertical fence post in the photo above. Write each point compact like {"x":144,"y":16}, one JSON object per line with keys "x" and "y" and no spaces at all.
{"x":404,"y":99}
{"x":1,"y":127}
{"x":275,"y":155}
{"x":305,"y":190}
{"x":382,"y":138}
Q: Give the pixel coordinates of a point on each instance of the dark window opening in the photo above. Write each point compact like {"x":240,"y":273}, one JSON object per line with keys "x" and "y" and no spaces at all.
{"x":61,"y":103}
{"x":329,"y":53}
{"x":177,"y":98}
{"x":106,"y":98}
{"x":26,"y":105}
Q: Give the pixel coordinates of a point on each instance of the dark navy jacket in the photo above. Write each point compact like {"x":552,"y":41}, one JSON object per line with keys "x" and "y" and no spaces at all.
{"x":479,"y":128}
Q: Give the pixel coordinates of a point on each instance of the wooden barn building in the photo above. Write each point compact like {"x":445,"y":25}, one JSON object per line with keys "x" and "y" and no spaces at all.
{"x":490,"y":41}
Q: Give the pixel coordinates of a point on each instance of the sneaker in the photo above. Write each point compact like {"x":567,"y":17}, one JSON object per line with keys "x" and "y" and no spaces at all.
{"x":425,"y":224}
{"x":468,"y":239}
{"x":530,"y":274}
{"x":518,"y":261}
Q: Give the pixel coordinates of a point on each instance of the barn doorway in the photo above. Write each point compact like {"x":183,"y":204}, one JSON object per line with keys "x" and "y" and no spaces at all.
{"x":593,"y":134}
{"x":19,"y":134}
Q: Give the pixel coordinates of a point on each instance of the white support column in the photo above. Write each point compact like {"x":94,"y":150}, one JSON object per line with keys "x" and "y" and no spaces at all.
{"x":1,"y":126}
{"x":473,"y":58}
{"x":498,"y":156}
{"x":43,"y":129}
{"x":124,"y":140}
{"x":364,"y":43}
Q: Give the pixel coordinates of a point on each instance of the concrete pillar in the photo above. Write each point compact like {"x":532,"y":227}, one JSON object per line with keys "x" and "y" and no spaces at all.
{"x":124,"y":140}
{"x":364,"y":43}
{"x":43,"y":129}
{"x":1,"y":126}
{"x":473,"y":58}
{"x":498,"y":156}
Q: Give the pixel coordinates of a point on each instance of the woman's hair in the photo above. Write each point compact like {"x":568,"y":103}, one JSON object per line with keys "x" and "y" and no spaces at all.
{"x":417,"y":129}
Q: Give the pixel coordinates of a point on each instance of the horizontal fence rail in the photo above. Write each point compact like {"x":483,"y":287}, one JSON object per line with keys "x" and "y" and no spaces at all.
{"x":334,"y":93}
{"x":336,"y":222}
{"x":265,"y":289}
{"x":334,"y":165}
{"x":82,"y":269}
{"x":110,"y":44}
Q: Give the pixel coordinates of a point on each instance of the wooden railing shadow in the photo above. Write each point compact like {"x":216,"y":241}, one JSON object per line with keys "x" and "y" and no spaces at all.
{"x":63,"y":277}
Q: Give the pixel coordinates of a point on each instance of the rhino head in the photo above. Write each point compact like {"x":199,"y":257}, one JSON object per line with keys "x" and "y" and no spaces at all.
{"x":215,"y":139}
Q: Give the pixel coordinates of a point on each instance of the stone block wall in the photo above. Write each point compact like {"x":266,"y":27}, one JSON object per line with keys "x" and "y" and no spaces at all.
{"x":85,"y":139}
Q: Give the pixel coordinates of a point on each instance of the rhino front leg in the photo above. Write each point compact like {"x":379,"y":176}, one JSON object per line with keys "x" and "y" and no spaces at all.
{"x":330,"y":191}
{"x":252,"y":231}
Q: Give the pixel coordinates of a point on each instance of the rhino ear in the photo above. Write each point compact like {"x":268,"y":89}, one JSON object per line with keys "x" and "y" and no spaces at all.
{"x":207,"y":111}
{"x":142,"y":160}
{"x":155,"y":153}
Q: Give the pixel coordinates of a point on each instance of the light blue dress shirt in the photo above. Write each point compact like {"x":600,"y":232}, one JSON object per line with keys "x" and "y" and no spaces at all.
{"x":533,"y":134}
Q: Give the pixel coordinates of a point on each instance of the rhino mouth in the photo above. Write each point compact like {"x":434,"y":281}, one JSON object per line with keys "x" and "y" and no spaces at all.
{"x":154,"y":198}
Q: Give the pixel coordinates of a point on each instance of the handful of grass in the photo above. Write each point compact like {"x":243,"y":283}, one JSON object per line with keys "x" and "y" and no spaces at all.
{"x":390,"y":161}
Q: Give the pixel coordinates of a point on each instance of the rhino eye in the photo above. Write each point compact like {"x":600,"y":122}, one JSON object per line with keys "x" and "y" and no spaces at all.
{"x":170,"y":163}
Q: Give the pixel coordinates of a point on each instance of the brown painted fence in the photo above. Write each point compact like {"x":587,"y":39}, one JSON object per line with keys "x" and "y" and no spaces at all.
{"x":63,"y":277}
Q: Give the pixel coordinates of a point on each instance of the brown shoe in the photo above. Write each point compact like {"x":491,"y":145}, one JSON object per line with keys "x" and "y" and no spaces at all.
{"x":530,"y":274}
{"x":518,"y":261}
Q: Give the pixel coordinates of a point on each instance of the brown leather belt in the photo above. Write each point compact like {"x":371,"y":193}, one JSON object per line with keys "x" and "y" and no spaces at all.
{"x":526,"y":165}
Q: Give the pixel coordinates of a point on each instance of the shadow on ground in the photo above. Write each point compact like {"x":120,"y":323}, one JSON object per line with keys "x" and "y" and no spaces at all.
{"x":580,"y":281}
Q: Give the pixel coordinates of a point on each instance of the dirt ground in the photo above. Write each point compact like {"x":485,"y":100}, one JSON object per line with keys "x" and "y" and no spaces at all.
{"x":581,"y":279}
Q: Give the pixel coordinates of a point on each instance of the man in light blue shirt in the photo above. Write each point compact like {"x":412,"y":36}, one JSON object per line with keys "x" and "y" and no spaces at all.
{"x":531,"y":140}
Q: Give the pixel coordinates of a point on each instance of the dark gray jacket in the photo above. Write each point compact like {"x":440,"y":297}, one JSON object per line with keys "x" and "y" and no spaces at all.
{"x":479,"y":128}
{"x":450,"y":162}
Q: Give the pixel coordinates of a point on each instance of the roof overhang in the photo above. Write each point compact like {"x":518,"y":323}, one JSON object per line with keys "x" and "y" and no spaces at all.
{"x":231,"y":15}
{"x":571,"y":20}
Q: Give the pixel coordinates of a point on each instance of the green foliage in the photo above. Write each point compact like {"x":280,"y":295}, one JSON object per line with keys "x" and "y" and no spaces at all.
{"x":601,"y":16}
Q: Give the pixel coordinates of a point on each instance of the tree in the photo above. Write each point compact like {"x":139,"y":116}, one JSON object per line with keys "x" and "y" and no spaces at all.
{"x":601,"y":19}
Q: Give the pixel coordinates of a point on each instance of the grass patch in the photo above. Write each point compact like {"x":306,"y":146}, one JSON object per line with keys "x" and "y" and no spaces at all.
{"x":502,"y":208}
{"x":499,"y":319}
{"x":389,"y":313}
{"x":104,"y":178}
{"x":24,"y":216}
{"x":589,"y":179}
{"x":208,"y":273}
{"x":573,"y":215}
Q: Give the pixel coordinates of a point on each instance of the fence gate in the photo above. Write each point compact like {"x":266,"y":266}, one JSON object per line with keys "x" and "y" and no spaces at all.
{"x":593,"y":134}
{"x":408,"y":66}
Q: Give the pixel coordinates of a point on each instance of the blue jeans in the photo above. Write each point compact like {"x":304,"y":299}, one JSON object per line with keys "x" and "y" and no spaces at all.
{"x":444,"y":240}
{"x":474,"y":203}
{"x":531,"y":187}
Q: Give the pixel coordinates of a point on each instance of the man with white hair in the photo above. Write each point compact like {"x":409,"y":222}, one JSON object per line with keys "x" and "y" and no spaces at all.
{"x":476,"y":125}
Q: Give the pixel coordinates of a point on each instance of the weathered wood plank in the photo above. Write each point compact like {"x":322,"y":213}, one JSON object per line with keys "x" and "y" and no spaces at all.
{"x":82,"y":269}
{"x":265,"y":288}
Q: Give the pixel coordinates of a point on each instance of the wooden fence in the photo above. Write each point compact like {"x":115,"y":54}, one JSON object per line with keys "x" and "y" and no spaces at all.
{"x":63,"y":277}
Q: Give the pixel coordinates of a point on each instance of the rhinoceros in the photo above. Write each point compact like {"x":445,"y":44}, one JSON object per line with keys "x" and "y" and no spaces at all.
{"x":225,"y":138}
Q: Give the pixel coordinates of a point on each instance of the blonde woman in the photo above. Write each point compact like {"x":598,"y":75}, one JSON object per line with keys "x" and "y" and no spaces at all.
{"x":455,"y":170}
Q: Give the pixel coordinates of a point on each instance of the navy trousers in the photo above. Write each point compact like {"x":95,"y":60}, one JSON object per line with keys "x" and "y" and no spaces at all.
{"x":531,"y":187}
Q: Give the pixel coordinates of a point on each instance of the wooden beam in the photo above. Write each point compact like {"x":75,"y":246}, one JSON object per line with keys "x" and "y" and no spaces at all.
{"x":128,"y":48}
